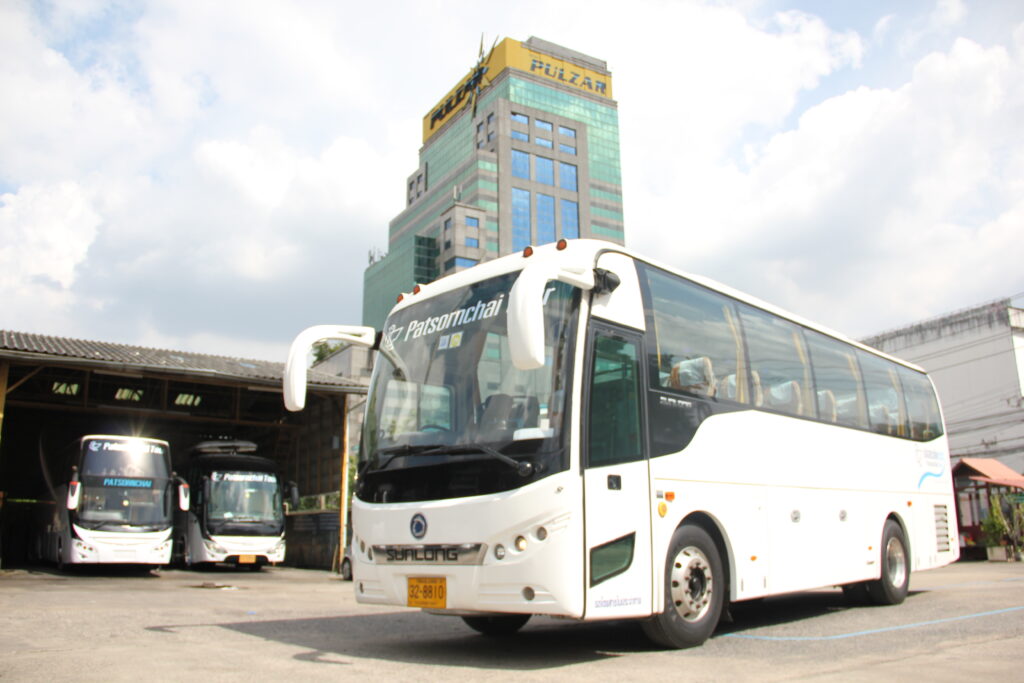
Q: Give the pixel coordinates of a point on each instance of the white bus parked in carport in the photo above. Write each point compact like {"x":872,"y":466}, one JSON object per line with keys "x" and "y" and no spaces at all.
{"x":578,"y":431}
{"x":237,"y":512}
{"x":113,"y":503}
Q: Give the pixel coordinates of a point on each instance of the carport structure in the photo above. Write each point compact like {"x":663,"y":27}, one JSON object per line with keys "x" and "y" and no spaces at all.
{"x":55,"y":389}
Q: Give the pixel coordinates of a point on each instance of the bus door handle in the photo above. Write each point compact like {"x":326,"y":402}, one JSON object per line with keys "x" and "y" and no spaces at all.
{"x":614,"y":482}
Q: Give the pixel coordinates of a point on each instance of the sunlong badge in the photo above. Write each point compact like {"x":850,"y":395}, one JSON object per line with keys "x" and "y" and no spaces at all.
{"x":418,"y":525}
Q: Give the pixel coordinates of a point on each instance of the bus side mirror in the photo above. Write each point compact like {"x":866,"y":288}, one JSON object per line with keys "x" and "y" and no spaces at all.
{"x":526,"y":304}
{"x":293,"y":495}
{"x":74,"y":490}
{"x":184,"y":496}
{"x":295,"y":367}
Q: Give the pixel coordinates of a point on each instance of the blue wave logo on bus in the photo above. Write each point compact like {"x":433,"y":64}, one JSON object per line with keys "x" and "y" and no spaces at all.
{"x":121,"y":482}
{"x":933,"y":464}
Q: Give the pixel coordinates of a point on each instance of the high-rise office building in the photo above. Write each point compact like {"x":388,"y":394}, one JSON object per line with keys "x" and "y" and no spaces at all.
{"x":523,"y":150}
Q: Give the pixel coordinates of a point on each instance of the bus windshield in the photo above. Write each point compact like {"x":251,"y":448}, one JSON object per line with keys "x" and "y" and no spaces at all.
{"x":126,"y":484}
{"x":244,"y":503}
{"x":448,"y":414}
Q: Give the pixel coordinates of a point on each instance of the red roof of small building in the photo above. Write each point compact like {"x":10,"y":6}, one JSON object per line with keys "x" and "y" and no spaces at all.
{"x":991,"y":471}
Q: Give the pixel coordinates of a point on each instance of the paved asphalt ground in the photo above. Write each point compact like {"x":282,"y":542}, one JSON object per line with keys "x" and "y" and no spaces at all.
{"x":959,"y":623}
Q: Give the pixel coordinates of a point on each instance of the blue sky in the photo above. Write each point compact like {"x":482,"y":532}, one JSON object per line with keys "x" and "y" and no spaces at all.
{"x":211,"y":176}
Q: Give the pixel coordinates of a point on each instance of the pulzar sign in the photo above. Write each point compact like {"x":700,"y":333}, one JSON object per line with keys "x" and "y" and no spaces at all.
{"x":510,"y":53}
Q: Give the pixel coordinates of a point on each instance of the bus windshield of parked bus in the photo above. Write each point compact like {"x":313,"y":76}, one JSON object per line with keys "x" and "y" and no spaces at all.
{"x":448,"y":414}
{"x":244,"y":502}
{"x":125,"y":483}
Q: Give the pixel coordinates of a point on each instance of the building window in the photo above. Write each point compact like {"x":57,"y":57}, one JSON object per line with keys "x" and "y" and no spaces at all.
{"x":472,"y":222}
{"x":463,"y":262}
{"x":447,"y":225}
{"x":570,"y":220}
{"x":520,"y":164}
{"x":520,"y":219}
{"x":545,"y":219}
{"x":521,"y":118}
{"x":545,"y":170}
{"x":566,"y":149}
{"x":543,"y":142}
{"x":472,"y":242}
{"x":520,"y":135}
{"x":490,"y":119}
{"x":490,"y":135}
{"x":567,"y":177}
{"x":567,"y":132}
{"x":543,"y":125}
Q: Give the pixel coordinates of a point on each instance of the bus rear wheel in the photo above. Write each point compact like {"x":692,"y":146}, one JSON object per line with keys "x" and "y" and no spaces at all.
{"x":891,"y":588}
{"x":504,"y":625}
{"x":694,"y":591}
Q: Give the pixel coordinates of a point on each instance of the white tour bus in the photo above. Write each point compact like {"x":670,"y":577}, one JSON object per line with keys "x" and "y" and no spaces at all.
{"x":237,"y":511}
{"x":577,"y":431}
{"x":113,"y":503}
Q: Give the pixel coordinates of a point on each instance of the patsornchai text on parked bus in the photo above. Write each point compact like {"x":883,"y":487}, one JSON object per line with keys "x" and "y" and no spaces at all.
{"x":113,"y":502}
{"x":582,"y":432}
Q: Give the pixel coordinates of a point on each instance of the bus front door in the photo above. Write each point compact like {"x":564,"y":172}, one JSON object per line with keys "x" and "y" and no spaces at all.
{"x":616,"y":477}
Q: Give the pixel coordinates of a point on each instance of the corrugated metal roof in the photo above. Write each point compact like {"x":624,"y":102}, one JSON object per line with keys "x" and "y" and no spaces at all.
{"x":23,"y":345}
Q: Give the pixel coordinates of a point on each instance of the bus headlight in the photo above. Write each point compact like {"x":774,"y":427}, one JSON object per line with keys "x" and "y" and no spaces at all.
{"x":520,"y":543}
{"x":499,"y":551}
{"x":213,"y":548}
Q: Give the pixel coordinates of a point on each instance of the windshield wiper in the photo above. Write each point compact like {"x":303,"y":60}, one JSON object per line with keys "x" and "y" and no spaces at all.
{"x":524,"y":468}
{"x":406,"y":449}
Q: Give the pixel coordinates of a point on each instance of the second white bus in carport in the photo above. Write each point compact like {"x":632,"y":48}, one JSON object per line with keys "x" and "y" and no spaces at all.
{"x":578,"y":431}
{"x":237,"y":514}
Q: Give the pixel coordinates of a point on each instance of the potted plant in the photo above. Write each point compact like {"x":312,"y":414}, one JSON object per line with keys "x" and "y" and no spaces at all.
{"x":996,"y":531}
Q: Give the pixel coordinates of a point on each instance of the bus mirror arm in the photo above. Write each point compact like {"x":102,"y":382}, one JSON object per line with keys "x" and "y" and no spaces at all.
{"x":295,"y":367}
{"x":526,"y":309}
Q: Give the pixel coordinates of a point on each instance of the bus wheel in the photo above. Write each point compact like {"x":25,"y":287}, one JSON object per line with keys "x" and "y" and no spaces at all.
{"x":892,"y":587}
{"x":694,"y":591}
{"x":504,"y":625}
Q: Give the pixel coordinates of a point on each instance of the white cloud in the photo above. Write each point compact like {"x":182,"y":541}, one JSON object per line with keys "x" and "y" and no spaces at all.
{"x":45,"y":234}
{"x":214,"y":173}
{"x":874,"y":193}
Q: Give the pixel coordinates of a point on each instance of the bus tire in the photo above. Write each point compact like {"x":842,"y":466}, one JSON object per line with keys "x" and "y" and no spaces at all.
{"x":346,"y":569}
{"x":694,"y":591}
{"x":504,"y":625}
{"x":891,"y":588}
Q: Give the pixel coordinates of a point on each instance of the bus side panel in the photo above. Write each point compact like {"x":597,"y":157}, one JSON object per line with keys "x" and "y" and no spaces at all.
{"x":803,"y":504}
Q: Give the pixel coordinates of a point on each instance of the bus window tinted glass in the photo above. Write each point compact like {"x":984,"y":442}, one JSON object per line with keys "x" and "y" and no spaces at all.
{"x":698,"y":348}
{"x":838,"y":388}
{"x":922,"y":405}
{"x":779,"y":369}
{"x":614,"y":403}
{"x":886,"y":411}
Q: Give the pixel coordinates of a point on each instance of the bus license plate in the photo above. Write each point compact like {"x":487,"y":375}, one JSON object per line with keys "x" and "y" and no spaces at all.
{"x":429,"y":592}
{"x":246,"y":559}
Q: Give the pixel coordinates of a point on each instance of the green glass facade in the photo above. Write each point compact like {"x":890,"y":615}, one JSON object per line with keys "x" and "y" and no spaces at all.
{"x":460,"y":200}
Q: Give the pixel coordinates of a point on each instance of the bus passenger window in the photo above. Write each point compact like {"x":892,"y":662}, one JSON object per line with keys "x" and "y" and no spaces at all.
{"x":922,"y":405}
{"x":838,"y":390}
{"x":695,"y":341}
{"x":779,"y":361}
{"x":886,"y":410}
